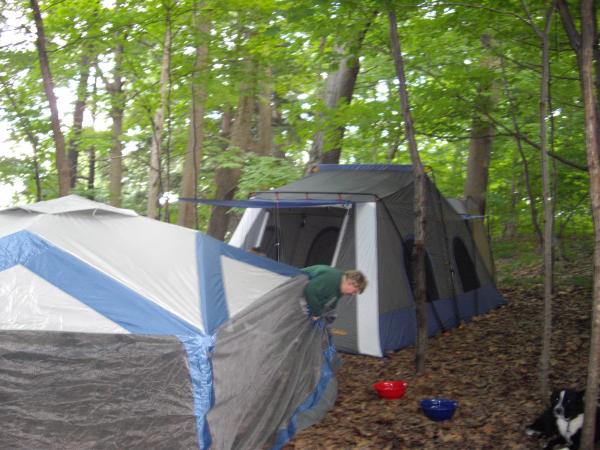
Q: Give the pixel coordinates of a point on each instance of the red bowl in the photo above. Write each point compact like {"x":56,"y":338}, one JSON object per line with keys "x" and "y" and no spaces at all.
{"x":390,"y":389}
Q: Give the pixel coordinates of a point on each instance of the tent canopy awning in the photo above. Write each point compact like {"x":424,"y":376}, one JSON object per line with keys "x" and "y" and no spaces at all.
{"x":264,"y":203}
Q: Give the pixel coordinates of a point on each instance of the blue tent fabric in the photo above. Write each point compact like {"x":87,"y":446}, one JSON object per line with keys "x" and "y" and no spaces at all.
{"x":262,"y":203}
{"x":90,"y":286}
{"x":210,"y":277}
{"x":327,"y":375}
{"x":363,"y":167}
{"x":199,"y":349}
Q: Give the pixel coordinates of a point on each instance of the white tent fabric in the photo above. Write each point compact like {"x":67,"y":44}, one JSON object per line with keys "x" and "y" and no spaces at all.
{"x":71,"y":203}
{"x":367,"y":303}
{"x":102,"y":299}
{"x":31,"y":303}
{"x":159,"y":261}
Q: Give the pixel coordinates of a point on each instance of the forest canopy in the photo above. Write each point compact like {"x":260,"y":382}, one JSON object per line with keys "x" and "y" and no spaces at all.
{"x":218,"y":99}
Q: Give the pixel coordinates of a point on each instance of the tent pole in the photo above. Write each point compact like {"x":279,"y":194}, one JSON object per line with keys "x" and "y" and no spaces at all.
{"x":338,"y":245}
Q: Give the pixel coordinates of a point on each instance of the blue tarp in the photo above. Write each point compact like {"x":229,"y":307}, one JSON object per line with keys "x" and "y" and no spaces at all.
{"x":260,"y":203}
{"x":364,"y":167}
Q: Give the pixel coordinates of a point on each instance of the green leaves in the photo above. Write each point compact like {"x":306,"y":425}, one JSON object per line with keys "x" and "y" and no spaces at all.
{"x":458,"y":58}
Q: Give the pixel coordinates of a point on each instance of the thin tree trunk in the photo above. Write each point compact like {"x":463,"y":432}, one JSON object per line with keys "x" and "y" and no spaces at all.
{"x":510,"y":225}
{"x":116,"y":113}
{"x":591,"y":143}
{"x":480,"y":146}
{"x":418,"y":256}
{"x":547,"y":205}
{"x":339,"y":87}
{"x":265,"y":115}
{"x":157,"y":125}
{"x":478,"y":163}
{"x":91,"y":151}
{"x":91,"y":171}
{"x":517,"y":134}
{"x":226,"y":179}
{"x":82,"y":93}
{"x":62,"y":164}
{"x":575,"y":42}
{"x":187,"y":216}
{"x":280,"y":123}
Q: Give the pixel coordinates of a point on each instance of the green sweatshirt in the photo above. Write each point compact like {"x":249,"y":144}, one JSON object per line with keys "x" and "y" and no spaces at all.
{"x":323,"y":287}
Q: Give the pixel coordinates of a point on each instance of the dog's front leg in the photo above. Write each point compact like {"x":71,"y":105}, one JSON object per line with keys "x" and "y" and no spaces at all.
{"x":552,"y":442}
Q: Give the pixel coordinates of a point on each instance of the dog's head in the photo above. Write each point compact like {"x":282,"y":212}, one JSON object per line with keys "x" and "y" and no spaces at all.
{"x":567,"y":403}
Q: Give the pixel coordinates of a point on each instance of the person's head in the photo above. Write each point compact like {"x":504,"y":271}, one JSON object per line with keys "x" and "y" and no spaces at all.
{"x":353,"y":282}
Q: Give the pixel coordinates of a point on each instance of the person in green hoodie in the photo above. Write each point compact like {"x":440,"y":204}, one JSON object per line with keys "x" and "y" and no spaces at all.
{"x":327,"y":285}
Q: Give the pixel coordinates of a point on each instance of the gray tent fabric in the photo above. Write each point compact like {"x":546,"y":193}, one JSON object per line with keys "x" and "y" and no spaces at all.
{"x":375,"y":235}
{"x":256,"y":384}
{"x":88,"y":391}
{"x":109,"y":322}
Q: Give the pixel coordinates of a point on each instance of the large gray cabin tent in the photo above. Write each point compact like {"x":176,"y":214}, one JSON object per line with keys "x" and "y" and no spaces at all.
{"x":119,"y":331}
{"x":362,"y":216}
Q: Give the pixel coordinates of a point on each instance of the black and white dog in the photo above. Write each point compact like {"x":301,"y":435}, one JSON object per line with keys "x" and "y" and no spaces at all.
{"x":562,"y":421}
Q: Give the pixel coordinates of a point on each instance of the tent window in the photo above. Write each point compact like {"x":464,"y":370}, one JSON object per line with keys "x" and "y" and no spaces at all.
{"x":432,"y":291}
{"x":466,"y":268}
{"x":270,"y":242}
{"x":322,"y":248}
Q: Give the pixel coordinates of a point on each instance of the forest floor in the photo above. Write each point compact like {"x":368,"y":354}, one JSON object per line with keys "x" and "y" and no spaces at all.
{"x":490,"y":365}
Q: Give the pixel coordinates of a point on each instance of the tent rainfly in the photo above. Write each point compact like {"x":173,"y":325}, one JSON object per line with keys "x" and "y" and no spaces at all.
{"x":117,"y":331}
{"x":362,"y":216}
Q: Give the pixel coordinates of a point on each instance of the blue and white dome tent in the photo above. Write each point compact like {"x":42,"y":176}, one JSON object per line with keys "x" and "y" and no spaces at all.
{"x":118,"y":330}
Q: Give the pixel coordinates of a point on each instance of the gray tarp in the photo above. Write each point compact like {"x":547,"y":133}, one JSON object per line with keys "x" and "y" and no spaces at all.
{"x":90,"y":391}
{"x":267,"y":361}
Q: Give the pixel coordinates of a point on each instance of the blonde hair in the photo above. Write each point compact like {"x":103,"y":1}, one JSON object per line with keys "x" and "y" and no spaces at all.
{"x":357,"y":278}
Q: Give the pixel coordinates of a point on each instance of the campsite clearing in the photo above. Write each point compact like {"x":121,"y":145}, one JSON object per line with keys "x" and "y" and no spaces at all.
{"x":489,"y":365}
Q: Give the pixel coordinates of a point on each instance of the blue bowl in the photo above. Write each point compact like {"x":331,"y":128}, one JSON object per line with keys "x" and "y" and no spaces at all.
{"x":439,"y":409}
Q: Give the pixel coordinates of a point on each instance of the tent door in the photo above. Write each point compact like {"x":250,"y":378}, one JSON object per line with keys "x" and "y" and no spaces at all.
{"x":304,"y":236}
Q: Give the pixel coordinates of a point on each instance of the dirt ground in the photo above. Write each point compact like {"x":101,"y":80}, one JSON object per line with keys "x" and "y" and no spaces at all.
{"x":489,"y":365}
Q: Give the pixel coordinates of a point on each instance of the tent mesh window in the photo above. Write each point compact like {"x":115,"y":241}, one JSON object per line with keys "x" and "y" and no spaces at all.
{"x":432,"y":290}
{"x":323,"y":246}
{"x":466,"y":267}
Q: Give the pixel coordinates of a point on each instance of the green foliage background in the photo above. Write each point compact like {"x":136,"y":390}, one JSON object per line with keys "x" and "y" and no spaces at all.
{"x":454,"y":54}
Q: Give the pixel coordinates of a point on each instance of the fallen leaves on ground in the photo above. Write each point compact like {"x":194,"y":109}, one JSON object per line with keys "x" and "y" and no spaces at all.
{"x":490,"y":365}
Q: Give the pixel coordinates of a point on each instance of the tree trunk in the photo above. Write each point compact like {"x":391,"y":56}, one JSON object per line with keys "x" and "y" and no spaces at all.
{"x":187,"y":216}
{"x":117,"y":99}
{"x":265,"y":115}
{"x":279,"y":123}
{"x":575,"y":42}
{"x":62,"y":164}
{"x":157,"y":125}
{"x":548,"y":208}
{"x":91,"y":172}
{"x":226,"y":179}
{"x":82,"y":92}
{"x":326,"y":146}
{"x":509,"y":230}
{"x":591,"y":143}
{"x":480,"y":146}
{"x":418,"y":255}
{"x":339,"y":87}
{"x":478,"y":164}
{"x":517,"y":135}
